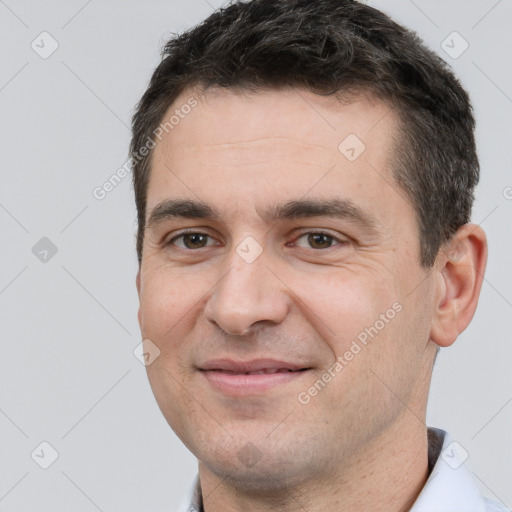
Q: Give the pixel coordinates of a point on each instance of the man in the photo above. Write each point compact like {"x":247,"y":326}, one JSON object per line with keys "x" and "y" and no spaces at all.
{"x":304,"y":174}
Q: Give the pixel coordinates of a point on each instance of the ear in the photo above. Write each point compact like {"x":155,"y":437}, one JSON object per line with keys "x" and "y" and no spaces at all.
{"x":460,"y":267}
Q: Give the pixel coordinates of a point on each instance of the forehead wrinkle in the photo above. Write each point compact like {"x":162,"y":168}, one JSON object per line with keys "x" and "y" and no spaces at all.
{"x":249,"y":144}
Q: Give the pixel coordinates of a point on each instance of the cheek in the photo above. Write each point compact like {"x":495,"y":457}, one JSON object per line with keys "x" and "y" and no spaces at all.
{"x":171,"y":393}
{"x":343,"y":305}
{"x":166,"y":303}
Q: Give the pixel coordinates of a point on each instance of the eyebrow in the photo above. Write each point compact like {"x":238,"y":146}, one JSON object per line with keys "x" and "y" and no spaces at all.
{"x":303,"y":208}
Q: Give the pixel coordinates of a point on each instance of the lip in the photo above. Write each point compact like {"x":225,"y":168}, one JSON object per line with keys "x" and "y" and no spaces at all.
{"x":233,"y":377}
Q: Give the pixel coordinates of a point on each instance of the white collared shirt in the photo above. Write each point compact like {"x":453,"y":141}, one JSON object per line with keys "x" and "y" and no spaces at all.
{"x":449,"y":488}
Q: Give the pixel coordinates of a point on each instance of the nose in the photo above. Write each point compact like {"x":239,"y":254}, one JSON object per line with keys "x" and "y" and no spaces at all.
{"x":250,"y":293}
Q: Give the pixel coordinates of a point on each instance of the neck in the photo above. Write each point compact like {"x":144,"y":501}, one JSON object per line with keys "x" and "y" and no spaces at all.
{"x":386,"y":475}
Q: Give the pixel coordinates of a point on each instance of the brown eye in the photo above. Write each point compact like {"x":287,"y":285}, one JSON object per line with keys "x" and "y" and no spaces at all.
{"x":320,"y":240}
{"x":191,"y":240}
{"x":194,"y":240}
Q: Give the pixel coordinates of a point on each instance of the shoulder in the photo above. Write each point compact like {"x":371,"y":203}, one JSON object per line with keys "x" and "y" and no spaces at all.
{"x":494,"y":506}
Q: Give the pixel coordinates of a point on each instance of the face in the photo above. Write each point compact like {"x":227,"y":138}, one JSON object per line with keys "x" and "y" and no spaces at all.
{"x":289,"y":306}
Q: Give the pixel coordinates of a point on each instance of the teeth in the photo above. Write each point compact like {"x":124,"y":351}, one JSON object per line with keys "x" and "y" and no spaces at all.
{"x":256,"y":372}
{"x":268,"y":370}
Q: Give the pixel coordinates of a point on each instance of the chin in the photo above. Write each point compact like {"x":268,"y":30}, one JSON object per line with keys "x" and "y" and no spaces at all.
{"x":256,"y":469}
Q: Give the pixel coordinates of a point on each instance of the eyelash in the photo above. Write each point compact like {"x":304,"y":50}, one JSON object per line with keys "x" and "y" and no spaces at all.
{"x":302,"y":234}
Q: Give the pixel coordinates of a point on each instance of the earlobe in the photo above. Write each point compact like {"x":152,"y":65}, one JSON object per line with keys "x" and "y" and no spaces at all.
{"x":460,"y":271}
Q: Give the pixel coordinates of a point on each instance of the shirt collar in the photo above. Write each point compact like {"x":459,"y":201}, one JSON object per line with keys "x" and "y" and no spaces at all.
{"x":449,"y":487}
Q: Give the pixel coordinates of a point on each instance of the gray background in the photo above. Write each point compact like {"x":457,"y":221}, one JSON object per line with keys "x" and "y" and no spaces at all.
{"x":68,"y":375}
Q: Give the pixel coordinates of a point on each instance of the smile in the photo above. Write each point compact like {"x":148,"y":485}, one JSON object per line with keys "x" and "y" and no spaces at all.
{"x":250,"y":377}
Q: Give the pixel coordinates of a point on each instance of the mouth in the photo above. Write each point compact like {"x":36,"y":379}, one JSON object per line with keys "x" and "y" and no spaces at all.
{"x":238,"y":378}
{"x":264,"y":371}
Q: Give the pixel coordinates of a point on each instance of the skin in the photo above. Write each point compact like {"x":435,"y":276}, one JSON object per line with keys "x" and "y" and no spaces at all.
{"x":361,"y":442}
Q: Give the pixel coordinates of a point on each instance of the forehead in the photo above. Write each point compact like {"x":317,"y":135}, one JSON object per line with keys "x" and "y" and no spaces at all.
{"x":230,"y":116}
{"x":234,"y":146}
